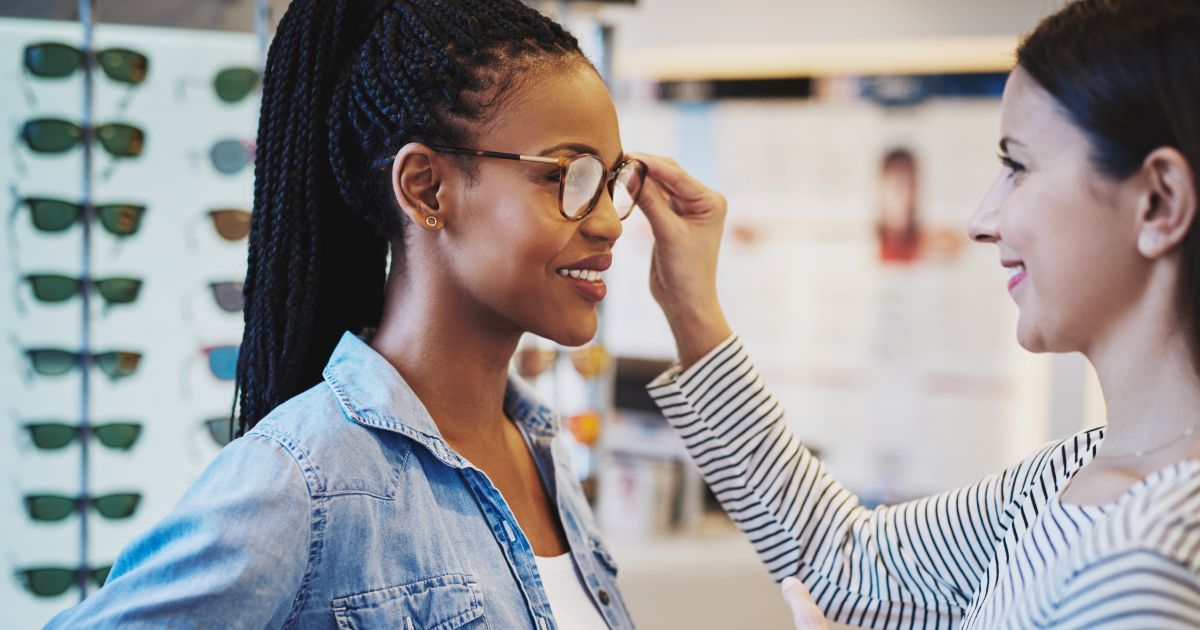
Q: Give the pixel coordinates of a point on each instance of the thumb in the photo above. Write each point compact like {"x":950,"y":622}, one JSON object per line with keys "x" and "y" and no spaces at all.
{"x":805,"y":613}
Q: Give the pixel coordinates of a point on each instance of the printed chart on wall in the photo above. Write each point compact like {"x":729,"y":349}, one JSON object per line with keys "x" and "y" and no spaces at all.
{"x":174,"y":117}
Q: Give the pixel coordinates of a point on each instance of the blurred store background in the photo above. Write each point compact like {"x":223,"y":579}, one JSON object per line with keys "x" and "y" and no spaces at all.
{"x":852,"y":139}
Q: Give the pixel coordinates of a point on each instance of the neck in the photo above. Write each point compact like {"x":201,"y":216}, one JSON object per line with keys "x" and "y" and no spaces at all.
{"x":1151,"y":390}
{"x":445,"y":345}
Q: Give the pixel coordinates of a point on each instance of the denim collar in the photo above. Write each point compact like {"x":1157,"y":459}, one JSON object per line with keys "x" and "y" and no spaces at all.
{"x":373,"y":394}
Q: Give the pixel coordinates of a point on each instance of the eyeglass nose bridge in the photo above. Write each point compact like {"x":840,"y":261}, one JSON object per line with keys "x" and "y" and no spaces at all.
{"x":608,"y":181}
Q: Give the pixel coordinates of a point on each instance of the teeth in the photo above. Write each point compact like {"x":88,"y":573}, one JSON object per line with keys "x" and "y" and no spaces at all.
{"x":581,"y":274}
{"x":1013,"y":272}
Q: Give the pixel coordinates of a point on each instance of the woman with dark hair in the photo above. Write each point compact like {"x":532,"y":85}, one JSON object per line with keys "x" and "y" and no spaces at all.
{"x":390,"y":473}
{"x":1094,"y":217}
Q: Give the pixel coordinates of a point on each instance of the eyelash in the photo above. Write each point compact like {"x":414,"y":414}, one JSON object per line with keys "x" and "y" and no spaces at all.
{"x":1010,"y":164}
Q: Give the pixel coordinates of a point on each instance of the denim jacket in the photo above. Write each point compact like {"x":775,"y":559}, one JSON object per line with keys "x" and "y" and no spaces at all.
{"x":345,"y":508}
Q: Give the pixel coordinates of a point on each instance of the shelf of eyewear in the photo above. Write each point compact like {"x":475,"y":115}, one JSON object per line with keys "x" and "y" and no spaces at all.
{"x":167,"y":209}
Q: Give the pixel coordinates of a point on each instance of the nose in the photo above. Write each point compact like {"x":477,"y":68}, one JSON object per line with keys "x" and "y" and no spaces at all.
{"x":984,"y":225}
{"x":602,"y":224}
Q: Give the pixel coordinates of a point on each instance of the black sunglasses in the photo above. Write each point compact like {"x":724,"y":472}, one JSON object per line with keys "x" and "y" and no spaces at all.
{"x":55,"y":361}
{"x":56,"y":215}
{"x":56,"y":507}
{"x":52,"y":581}
{"x":50,"y":436}
{"x":52,"y":60}
{"x":57,"y":288}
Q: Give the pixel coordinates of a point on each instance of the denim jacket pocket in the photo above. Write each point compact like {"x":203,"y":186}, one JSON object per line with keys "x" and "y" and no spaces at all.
{"x":439,"y":603}
{"x":604,"y":555}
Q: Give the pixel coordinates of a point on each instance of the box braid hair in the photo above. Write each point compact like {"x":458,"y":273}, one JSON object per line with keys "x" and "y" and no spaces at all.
{"x":349,"y":82}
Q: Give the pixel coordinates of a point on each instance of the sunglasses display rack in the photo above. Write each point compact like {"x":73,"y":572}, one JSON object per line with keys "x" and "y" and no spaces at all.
{"x":131,"y":179}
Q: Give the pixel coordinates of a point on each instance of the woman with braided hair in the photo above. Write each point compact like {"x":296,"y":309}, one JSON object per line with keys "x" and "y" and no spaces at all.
{"x":433,"y":179}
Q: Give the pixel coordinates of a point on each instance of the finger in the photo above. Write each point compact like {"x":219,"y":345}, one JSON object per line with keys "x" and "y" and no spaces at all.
{"x":672,"y":177}
{"x":655,"y":206}
{"x":805,"y":613}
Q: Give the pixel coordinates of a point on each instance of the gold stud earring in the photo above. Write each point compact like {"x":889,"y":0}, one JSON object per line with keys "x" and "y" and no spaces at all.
{"x":431,"y":221}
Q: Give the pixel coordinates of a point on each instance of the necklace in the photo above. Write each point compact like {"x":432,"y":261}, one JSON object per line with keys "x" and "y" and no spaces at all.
{"x":1147,"y":451}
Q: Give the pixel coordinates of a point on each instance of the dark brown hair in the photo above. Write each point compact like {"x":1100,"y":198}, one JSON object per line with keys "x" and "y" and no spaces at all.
{"x":1127,"y":73}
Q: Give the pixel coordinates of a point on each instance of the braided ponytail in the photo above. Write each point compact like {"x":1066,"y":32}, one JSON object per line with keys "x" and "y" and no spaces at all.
{"x":348,"y":83}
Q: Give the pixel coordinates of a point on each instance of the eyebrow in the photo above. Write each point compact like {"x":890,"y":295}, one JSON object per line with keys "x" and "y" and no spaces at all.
{"x":579,"y":148}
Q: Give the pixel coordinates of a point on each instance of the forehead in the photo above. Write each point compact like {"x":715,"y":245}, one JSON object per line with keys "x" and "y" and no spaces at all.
{"x":1032,"y":118}
{"x":567,"y":105}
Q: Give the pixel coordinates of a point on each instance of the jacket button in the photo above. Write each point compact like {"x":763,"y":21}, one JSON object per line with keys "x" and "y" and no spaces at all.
{"x":604,"y":599}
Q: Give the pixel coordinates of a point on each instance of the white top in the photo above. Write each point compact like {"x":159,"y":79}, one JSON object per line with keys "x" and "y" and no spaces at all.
{"x":1003,"y":553}
{"x":569,"y":601}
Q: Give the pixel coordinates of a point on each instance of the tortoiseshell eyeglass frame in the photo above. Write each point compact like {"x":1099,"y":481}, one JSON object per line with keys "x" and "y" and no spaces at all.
{"x":563,"y":162}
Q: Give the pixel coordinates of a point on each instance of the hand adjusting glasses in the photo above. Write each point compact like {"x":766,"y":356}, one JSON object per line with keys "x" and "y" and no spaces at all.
{"x":581,"y":179}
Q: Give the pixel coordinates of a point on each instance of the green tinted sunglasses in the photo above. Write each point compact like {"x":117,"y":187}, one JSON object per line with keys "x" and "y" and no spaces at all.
{"x":235,"y":84}
{"x":220,"y":430}
{"x":50,"y":436}
{"x":56,"y":288}
{"x":55,"y":135}
{"x":55,"y":362}
{"x":50,"y":60}
{"x":56,"y":215}
{"x":56,"y":507}
{"x":51,"y":581}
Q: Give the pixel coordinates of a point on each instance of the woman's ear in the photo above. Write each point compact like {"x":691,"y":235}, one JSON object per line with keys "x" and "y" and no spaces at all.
{"x":416,"y":182}
{"x":1168,"y":206}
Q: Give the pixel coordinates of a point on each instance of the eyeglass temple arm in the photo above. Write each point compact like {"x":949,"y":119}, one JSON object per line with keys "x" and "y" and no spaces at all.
{"x":496,"y":154}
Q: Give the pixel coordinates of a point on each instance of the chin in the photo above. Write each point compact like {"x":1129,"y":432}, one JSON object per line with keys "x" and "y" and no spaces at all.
{"x":573,"y":335}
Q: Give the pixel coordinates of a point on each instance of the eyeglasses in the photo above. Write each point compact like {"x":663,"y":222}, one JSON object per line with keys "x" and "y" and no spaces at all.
{"x":231,"y":224}
{"x":55,"y":507}
{"x":54,"y":135}
{"x":589,"y":361}
{"x":56,"y":288}
{"x":55,"y":362}
{"x":581,"y":180}
{"x":51,"y":581}
{"x":235,"y":84}
{"x":231,"y":156}
{"x":220,"y":430}
{"x":50,"y":436}
{"x":50,"y":60}
{"x":222,"y":361}
{"x":56,"y":215}
{"x":228,"y":296}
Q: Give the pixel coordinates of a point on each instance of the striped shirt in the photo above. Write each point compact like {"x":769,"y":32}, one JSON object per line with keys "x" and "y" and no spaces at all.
{"x":1003,"y":553}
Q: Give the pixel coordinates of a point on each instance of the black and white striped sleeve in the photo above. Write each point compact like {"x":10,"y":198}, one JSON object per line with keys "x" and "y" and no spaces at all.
{"x":913,"y":564}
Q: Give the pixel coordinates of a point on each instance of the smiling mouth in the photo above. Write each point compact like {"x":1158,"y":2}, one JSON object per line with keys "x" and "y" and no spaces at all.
{"x":590,"y":275}
{"x":1016,"y":275}
{"x":588,"y":283}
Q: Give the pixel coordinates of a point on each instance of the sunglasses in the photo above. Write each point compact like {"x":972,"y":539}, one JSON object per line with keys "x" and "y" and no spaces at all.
{"x":231,"y":156}
{"x":56,"y":288}
{"x":220,"y":430}
{"x":581,"y":180}
{"x":589,"y":361}
{"x":55,"y":507}
{"x":56,"y":215}
{"x":51,"y":581}
{"x":55,"y":362}
{"x":228,"y":296}
{"x":50,"y":60}
{"x":235,"y":84}
{"x":55,"y":135}
{"x":222,"y":361}
{"x":50,"y":436}
{"x":231,"y":224}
